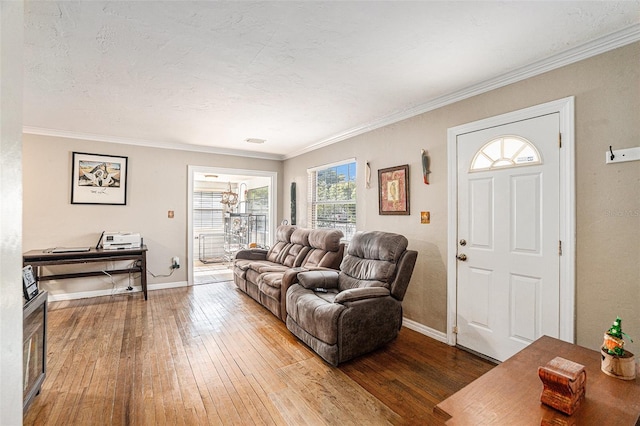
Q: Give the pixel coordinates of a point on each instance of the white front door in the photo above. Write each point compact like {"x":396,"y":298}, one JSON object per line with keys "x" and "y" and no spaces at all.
{"x":508,"y":232}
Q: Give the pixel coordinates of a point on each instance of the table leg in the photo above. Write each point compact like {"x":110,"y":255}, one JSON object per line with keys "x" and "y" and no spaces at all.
{"x":143,"y":274}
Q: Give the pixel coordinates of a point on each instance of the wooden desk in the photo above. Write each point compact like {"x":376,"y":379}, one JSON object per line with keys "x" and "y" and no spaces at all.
{"x":39,"y":258}
{"x":510,"y":393}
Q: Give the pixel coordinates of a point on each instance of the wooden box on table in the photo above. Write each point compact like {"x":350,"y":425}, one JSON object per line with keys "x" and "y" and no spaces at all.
{"x":564,"y":384}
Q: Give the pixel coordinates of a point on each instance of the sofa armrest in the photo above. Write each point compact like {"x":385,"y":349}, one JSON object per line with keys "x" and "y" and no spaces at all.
{"x":362,"y":293}
{"x":318,"y":279}
{"x":252,"y":254}
{"x":290,"y":277}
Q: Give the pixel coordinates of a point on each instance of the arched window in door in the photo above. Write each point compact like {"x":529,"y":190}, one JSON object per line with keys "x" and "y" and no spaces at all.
{"x":504,"y":152}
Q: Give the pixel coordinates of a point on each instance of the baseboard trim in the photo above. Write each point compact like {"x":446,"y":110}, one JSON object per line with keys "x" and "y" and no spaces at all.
{"x":163,"y":286}
{"x":107,"y":292}
{"x":423,"y":329}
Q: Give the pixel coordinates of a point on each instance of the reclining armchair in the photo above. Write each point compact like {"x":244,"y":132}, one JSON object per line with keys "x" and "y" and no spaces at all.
{"x":344,"y":314}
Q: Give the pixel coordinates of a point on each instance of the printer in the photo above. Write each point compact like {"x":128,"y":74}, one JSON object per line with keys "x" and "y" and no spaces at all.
{"x":121,"y":240}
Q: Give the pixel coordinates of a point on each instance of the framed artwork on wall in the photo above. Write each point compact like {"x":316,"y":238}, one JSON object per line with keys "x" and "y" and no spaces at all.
{"x":393,"y":190}
{"x":98,"y":179}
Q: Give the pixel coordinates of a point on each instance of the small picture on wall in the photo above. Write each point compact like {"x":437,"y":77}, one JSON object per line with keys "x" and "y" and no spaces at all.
{"x":98,"y":179}
{"x":393,"y":190}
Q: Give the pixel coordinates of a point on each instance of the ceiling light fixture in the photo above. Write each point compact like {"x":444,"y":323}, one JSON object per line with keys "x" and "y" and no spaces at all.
{"x":229,"y":197}
{"x":255,"y":140}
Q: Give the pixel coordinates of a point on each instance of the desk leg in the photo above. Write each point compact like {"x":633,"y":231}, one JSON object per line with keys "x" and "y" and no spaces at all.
{"x":143,"y":274}
{"x":36,"y":276}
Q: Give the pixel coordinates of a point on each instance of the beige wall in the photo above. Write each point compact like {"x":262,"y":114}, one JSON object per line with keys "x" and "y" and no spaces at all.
{"x":607,"y":93}
{"x":157,"y":183}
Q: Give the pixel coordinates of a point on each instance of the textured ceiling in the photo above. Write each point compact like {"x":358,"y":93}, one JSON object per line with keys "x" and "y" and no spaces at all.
{"x":297,"y":74}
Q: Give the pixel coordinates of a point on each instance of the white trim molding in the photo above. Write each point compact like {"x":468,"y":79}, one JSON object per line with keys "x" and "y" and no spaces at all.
{"x":567,"y":215}
{"x":423,"y":329}
{"x":192,"y":170}
{"x":334,"y":164}
{"x":148,"y":143}
{"x":117,"y":292}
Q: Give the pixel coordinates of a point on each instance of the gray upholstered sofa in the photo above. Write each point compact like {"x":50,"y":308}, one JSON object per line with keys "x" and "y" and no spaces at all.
{"x":341,"y":315}
{"x":265,"y":275}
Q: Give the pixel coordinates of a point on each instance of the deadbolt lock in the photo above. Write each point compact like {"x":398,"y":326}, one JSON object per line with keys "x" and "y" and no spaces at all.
{"x":463,"y":242}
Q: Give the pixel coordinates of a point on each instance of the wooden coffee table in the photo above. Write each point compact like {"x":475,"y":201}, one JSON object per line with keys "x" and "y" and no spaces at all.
{"x":510,"y":393}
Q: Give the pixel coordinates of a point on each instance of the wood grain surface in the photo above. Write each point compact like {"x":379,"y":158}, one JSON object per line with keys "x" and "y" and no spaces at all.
{"x":209,"y":354}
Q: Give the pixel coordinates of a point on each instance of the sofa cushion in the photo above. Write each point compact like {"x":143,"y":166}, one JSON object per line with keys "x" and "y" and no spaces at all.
{"x":326,"y":249}
{"x":295,"y":255}
{"x":355,"y":294}
{"x":282,"y":243}
{"x":298,"y":250}
{"x":266,"y":266}
{"x":283,"y":233}
{"x":314,"y":258}
{"x":270,"y":279}
{"x":325,"y":239}
{"x":315,"y":312}
{"x":242,"y":264}
{"x":371,"y":259}
{"x":375,"y":272}
{"x":318,"y":279}
{"x":252,"y":277}
{"x":278,"y":251}
{"x":300,"y":236}
{"x":377,"y":245}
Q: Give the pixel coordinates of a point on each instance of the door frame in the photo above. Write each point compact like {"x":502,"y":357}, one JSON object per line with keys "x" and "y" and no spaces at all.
{"x":567,"y":214}
{"x":192,"y":170}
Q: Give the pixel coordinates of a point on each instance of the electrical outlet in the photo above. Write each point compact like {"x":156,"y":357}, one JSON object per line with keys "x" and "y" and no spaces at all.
{"x":175,"y":262}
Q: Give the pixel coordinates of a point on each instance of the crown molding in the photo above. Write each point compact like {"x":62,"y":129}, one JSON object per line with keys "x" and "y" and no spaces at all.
{"x":151,"y":144}
{"x":587,"y":50}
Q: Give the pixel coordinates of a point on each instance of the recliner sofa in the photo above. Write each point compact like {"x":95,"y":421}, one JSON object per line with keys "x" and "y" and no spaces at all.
{"x":265,"y":275}
{"x":344,"y":314}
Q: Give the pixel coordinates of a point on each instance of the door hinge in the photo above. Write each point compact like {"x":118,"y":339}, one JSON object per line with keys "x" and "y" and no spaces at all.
{"x":455,"y":329}
{"x":560,"y":248}
{"x":559,"y":140}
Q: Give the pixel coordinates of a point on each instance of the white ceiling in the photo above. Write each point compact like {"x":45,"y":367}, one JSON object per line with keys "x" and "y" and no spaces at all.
{"x":299,"y":74}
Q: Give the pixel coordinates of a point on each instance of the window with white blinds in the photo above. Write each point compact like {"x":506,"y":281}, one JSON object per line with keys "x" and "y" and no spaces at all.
{"x":258,"y":200}
{"x":332,"y":197}
{"x":208,"y":212}
{"x":258,"y":204}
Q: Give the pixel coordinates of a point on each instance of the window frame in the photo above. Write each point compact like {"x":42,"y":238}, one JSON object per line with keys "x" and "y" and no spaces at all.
{"x":348,"y":225}
{"x":501,"y":160}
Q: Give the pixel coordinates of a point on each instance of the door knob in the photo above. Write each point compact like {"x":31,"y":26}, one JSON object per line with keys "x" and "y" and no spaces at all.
{"x":461,"y":257}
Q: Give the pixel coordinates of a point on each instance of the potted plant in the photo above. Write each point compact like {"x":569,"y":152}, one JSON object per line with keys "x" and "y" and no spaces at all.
{"x":616,"y":361}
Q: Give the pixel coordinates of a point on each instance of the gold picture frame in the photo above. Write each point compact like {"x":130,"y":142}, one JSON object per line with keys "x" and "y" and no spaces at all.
{"x":393,"y":191}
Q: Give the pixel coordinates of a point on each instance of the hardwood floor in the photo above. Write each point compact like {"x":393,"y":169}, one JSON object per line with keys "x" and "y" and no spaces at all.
{"x":209,"y":354}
